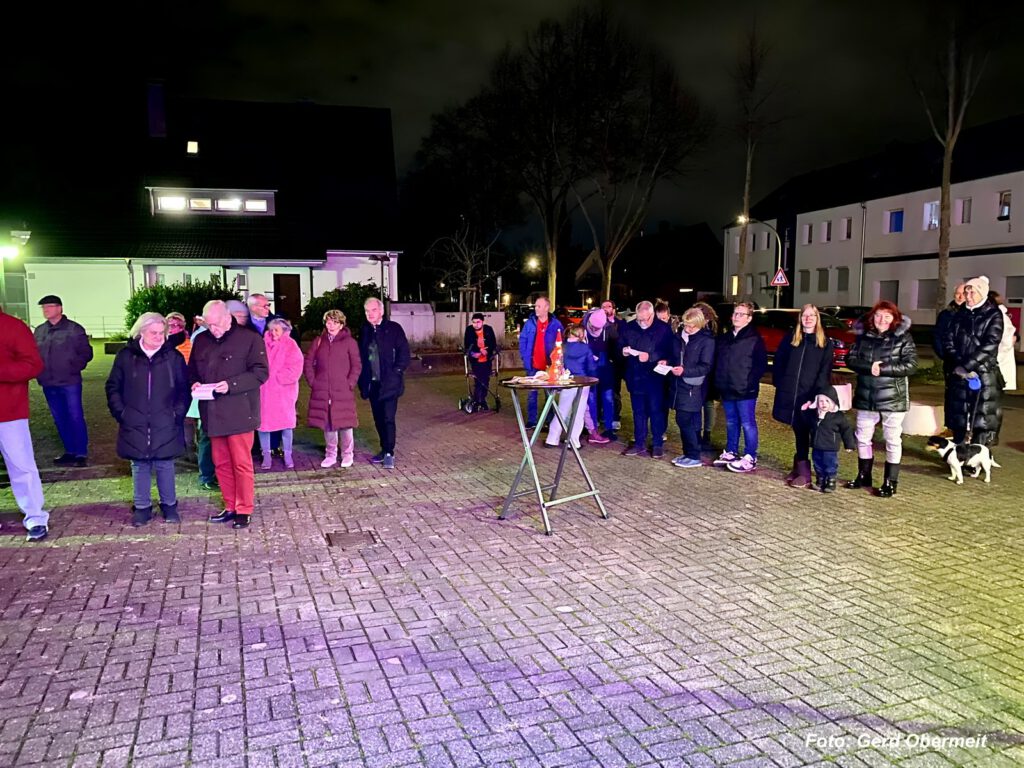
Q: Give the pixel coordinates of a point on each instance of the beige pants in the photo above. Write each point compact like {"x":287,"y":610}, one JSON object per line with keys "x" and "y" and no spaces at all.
{"x":892,"y":431}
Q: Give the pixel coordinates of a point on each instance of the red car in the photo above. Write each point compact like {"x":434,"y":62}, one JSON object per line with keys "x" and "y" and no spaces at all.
{"x":773,"y":324}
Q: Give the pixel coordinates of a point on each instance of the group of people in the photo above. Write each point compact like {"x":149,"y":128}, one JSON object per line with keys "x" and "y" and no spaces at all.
{"x":237,"y":376}
{"x":688,"y":369}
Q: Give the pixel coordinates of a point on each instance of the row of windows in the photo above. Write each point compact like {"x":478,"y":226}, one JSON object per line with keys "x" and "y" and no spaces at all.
{"x":845,"y":231}
{"x":823,"y":274}
{"x":893,"y":219}
{"x":176,"y":203}
{"x":927,"y":288}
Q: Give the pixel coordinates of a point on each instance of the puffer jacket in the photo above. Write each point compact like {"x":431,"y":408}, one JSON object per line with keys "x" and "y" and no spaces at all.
{"x":798,"y":374}
{"x":740,"y":363}
{"x":332,"y":370}
{"x":897,"y":353}
{"x":971,"y":342}
{"x":148,"y":396}
{"x":697,"y":356}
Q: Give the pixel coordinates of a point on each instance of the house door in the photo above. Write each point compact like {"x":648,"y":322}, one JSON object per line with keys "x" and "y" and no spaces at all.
{"x":287,"y":297}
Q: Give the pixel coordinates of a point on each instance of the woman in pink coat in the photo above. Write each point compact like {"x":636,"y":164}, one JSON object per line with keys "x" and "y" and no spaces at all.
{"x":332,"y":370}
{"x":279,"y":393}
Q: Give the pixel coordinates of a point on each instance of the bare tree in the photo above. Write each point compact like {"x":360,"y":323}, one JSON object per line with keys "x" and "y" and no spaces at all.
{"x":958,"y":72}
{"x":753,"y":93}
{"x":465,"y":259}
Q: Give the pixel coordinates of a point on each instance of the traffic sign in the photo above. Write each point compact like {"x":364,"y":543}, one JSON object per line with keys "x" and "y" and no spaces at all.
{"x":780,"y":280}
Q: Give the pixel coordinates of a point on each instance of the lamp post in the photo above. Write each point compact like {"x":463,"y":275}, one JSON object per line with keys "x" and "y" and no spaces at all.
{"x":742,"y":220}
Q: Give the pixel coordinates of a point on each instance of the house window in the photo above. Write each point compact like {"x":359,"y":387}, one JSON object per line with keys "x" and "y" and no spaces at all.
{"x":822,"y":280}
{"x":215,"y":278}
{"x":192,"y":147}
{"x":229,"y":204}
{"x":734,"y":285}
{"x":843,"y":279}
{"x":259,"y":206}
{"x":826,"y":231}
{"x":805,"y":237}
{"x":767,"y":244}
{"x":931,"y":215}
{"x":186,"y":279}
{"x":170,"y":203}
{"x":200,"y":204}
{"x":763,"y":280}
{"x":805,"y":280}
{"x":748,"y":284}
{"x":845,"y":228}
{"x":889,"y":290}
{"x":736,"y":244}
{"x":1015,"y":288}
{"x":1004,"y":206}
{"x":894,"y":221}
{"x":927,"y":291}
{"x":963,"y":210}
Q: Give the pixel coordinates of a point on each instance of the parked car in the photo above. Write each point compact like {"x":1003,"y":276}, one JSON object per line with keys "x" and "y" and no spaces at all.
{"x":848,"y":314}
{"x":773,"y":324}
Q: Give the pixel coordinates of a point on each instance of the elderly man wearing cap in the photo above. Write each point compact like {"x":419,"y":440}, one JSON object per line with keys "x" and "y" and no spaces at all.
{"x":480,"y":345}
{"x":971,"y":345}
{"x":66,"y":351}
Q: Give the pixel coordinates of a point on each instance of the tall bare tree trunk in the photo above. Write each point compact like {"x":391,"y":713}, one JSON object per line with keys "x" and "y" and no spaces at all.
{"x":742,"y":262}
{"x":944,"y":226}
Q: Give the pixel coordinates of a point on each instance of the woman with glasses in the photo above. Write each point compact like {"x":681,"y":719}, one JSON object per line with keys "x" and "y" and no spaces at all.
{"x":883,"y":356}
{"x":802,"y":368}
{"x":332,"y":370}
{"x":741,"y":361}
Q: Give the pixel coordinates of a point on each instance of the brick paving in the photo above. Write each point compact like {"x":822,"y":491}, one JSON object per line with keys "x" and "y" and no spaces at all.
{"x":714,"y":619}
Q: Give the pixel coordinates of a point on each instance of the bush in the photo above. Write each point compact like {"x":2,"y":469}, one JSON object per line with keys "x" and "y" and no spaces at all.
{"x":176,"y":297}
{"x":349,"y":300}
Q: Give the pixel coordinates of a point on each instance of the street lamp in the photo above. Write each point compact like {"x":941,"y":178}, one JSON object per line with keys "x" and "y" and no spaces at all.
{"x":743,"y":221}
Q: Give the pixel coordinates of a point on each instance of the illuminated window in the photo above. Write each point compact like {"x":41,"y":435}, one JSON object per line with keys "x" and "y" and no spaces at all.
{"x":1004,"y":206}
{"x":894,"y":221}
{"x":805,"y":238}
{"x":963,"y":210}
{"x":192,"y":147}
{"x":259,"y":206}
{"x":826,"y":231}
{"x":845,"y":228}
{"x":734,"y":285}
{"x":229,"y":204}
{"x":931,"y":215}
{"x":171,"y":203}
{"x":200,"y":204}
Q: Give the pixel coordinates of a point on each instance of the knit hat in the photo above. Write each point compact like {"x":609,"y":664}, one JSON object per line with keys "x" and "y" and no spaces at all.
{"x":830,"y":392}
{"x":980,"y":286}
{"x":597,"y":319}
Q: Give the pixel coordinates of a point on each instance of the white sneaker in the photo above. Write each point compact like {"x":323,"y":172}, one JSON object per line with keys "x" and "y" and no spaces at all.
{"x":725,"y":459}
{"x":747,"y":464}
{"x":328,"y":462}
{"x":346,"y":463}
{"x":616,"y":425}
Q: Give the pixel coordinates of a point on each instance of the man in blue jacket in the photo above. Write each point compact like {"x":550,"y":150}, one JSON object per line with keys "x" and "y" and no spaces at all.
{"x":385,"y":355}
{"x":646,"y":342}
{"x":536,"y":343}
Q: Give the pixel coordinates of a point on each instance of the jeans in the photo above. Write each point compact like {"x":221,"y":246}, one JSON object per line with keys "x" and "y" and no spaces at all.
{"x":740,"y":414}
{"x":648,"y":406}
{"x":689,"y":429}
{"x":66,"y":407}
{"x":232,"y":456}
{"x":384,"y":417}
{"x":142,"y":481}
{"x":826,"y":463}
{"x":709,"y":415}
{"x":16,"y":447}
{"x":204,"y":456}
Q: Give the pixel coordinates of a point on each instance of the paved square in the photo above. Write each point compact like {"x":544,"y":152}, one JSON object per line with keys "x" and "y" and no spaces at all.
{"x":715,"y":619}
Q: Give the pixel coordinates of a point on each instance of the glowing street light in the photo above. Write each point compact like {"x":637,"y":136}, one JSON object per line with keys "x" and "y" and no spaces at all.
{"x":9,"y":252}
{"x":533,"y":263}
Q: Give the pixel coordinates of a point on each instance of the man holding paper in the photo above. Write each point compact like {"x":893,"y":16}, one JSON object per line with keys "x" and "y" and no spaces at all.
{"x":229,"y":363}
{"x":647,"y":346}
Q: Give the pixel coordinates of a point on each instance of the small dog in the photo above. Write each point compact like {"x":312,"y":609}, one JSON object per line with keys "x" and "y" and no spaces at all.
{"x":976,"y":457}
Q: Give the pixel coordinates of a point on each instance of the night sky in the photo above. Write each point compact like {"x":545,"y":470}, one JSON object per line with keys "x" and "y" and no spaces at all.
{"x":842,"y":68}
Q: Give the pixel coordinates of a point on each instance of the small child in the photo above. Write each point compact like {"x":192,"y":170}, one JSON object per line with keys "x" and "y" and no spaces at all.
{"x":578,"y":361}
{"x":831,"y":429}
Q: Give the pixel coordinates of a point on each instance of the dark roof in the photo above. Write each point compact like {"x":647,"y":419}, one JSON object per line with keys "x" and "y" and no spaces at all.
{"x":985,"y":150}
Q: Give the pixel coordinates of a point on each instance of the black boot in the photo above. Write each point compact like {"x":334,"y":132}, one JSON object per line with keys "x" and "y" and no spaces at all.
{"x":141,"y":515}
{"x":863,"y":478}
{"x":830,"y":485}
{"x":892,"y":476}
{"x":170,"y":512}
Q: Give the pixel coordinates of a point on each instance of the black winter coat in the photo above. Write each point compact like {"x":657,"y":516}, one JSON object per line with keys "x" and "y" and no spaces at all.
{"x":65,"y":350}
{"x":394,"y":359}
{"x":239,"y":357}
{"x":740,"y":363}
{"x":895,"y":349}
{"x":149,"y":397}
{"x":656,"y":341}
{"x":831,"y":433}
{"x":490,"y":342}
{"x":971,"y":342}
{"x":697,"y":356}
{"x":798,"y":374}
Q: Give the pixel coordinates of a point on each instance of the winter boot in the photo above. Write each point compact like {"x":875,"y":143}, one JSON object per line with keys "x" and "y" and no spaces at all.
{"x":892,"y":476}
{"x":792,"y":473}
{"x":803,"y":475}
{"x":141,"y":515}
{"x":170,"y":512}
{"x":863,"y":478}
{"x":830,"y":485}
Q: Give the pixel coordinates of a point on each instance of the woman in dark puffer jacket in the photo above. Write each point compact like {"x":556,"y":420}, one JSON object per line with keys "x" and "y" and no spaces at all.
{"x":148,"y":393}
{"x":883,"y":356}
{"x":971,"y":344}
{"x":802,"y":368}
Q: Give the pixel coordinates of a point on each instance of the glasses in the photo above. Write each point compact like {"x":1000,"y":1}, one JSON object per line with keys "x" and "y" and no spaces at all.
{"x":741,"y":314}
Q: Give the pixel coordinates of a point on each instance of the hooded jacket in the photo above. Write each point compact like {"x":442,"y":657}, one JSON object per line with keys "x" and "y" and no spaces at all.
{"x":798,"y":373}
{"x":148,"y":396}
{"x":971,"y":342}
{"x":897,"y":353}
{"x":832,"y":431}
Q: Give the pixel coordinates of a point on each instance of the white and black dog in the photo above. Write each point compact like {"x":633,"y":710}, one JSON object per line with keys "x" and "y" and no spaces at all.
{"x":976,"y":457}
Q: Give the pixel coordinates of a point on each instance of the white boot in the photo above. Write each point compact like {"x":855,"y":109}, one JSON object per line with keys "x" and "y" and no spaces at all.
{"x":288,"y":461}
{"x":329,"y":460}
{"x":331,"y":452}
